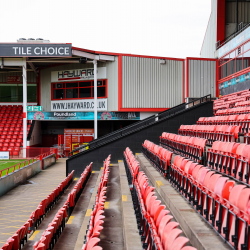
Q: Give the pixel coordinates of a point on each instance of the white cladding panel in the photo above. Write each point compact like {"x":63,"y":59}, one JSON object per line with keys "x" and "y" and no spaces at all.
{"x":112,"y":79}
{"x":148,"y":84}
{"x":202,"y":78}
{"x":208,"y":47}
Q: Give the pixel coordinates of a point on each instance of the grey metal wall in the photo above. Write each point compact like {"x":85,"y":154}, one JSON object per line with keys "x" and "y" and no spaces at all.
{"x":112,"y":77}
{"x":148,"y":84}
{"x":202,"y":78}
{"x":31,"y":76}
{"x":208,"y":46}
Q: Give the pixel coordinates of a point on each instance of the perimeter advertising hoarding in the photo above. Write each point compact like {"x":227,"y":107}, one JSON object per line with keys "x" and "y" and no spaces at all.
{"x":74,"y":116}
{"x":35,"y":50}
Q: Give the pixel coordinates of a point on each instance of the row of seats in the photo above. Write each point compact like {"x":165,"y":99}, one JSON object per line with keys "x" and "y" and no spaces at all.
{"x":55,"y":228}
{"x":11,"y":129}
{"x":229,"y":133}
{"x":230,"y":158}
{"x":156,"y":227}
{"x":233,"y":111}
{"x":159,"y":156}
{"x":97,"y":218}
{"x":224,"y":204}
{"x":192,"y":147}
{"x":231,"y":100}
{"x":237,"y":120}
{"x":20,"y":237}
{"x":218,"y":199}
{"x":11,"y":107}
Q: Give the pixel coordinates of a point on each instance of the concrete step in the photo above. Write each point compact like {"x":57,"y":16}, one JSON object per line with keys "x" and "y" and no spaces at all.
{"x":200,"y":233}
{"x":50,"y":216}
{"x":132,"y":240}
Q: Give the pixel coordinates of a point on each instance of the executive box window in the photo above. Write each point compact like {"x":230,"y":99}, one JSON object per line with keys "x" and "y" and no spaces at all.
{"x":235,"y":61}
{"x":77,"y":90}
{"x":10,"y":92}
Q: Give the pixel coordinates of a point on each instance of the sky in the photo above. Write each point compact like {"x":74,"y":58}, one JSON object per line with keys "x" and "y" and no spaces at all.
{"x":166,"y":28}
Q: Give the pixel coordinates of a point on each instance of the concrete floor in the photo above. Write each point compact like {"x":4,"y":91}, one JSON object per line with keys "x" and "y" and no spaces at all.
{"x":112,"y":234}
{"x":17,"y":205}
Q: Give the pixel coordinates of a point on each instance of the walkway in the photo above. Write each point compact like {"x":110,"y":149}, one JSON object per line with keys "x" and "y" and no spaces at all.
{"x":17,"y":205}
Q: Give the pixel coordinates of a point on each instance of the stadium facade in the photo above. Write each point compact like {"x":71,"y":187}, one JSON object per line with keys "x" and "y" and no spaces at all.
{"x":59,"y":78}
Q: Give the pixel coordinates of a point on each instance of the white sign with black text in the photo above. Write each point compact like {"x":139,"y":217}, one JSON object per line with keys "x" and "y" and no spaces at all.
{"x":79,"y":105}
{"x":78,"y":74}
{"x":4,"y":155}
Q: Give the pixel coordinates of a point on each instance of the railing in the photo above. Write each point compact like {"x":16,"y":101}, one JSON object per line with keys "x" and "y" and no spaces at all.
{"x":31,"y":152}
{"x":141,"y":124}
{"x":219,"y":44}
{"x":23,"y":163}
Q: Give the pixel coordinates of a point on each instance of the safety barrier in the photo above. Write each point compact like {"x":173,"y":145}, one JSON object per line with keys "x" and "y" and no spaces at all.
{"x":96,"y":219}
{"x":22,"y":164}
{"x":51,"y":235}
{"x":19,"y":176}
{"x":20,"y":237}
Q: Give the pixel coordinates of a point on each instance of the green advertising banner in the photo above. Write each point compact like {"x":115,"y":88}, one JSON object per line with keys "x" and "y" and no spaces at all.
{"x":34,"y":108}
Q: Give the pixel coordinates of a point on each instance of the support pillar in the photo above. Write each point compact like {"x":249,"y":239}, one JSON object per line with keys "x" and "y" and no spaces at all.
{"x":95,"y":98}
{"x":24,"y":107}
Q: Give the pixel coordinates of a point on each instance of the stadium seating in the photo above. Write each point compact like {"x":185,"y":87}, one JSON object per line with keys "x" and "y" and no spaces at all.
{"x":154,"y":221}
{"x":20,"y":237}
{"x":222,"y":203}
{"x":228,"y":133}
{"x":11,"y":125}
{"x":230,"y":158}
{"x":192,"y":147}
{"x":159,"y":156}
{"x":55,"y":228}
{"x":232,"y":100}
{"x":96,"y":217}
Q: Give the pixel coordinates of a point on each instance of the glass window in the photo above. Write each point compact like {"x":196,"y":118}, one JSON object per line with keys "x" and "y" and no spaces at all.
{"x":31,"y":93}
{"x":246,"y":46}
{"x":84,"y":92}
{"x":58,"y":94}
{"x":232,"y":67}
{"x":239,"y":63}
{"x":8,"y":93}
{"x":101,"y":92}
{"x":72,"y":90}
{"x":72,"y":93}
{"x":226,"y":69}
{"x":72,"y":85}
{"x":84,"y":84}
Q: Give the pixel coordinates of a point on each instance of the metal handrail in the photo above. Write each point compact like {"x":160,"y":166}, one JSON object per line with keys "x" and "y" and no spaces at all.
{"x":139,"y":125}
{"x":219,"y":43}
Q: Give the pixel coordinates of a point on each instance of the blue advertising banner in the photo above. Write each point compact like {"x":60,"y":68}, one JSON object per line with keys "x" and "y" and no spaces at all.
{"x":74,"y":116}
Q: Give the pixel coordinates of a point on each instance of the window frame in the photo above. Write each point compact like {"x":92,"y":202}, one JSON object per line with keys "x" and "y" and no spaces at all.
{"x":227,"y":58}
{"x":91,"y":87}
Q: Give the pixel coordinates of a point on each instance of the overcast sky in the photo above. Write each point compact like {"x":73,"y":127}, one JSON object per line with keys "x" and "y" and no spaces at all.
{"x":173,"y":28}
